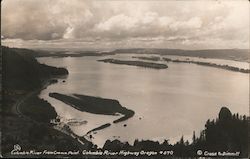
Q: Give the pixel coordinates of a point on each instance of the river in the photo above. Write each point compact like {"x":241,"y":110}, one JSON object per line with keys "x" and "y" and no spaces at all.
{"x":168,"y":103}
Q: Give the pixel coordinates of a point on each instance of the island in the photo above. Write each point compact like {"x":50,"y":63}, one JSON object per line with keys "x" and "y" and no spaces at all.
{"x":226,"y":67}
{"x":95,"y":105}
{"x":136,"y":63}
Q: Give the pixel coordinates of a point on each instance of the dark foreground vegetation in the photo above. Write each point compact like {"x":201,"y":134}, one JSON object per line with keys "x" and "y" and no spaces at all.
{"x":226,"y":67}
{"x":38,"y":109}
{"x":228,"y":133}
{"x":95,"y":105}
{"x":136,"y":63}
{"x":24,"y":117}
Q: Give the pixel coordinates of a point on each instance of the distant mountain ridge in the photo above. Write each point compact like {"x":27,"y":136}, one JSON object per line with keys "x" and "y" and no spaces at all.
{"x":227,"y":54}
{"x":242,"y":55}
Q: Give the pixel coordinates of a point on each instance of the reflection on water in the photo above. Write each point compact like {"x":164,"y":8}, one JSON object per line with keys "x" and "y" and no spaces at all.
{"x":167,"y":103}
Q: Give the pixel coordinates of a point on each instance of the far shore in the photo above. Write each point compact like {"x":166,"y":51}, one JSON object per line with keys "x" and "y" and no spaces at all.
{"x":150,"y":58}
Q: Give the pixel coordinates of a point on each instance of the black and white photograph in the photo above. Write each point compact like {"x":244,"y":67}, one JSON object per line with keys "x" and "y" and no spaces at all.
{"x":125,"y":79}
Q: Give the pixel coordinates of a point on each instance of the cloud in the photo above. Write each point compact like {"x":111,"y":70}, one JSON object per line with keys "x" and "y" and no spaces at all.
{"x":68,"y":33}
{"x":41,"y":20}
{"x":120,"y":22}
{"x":193,"y":23}
{"x":196,"y":24}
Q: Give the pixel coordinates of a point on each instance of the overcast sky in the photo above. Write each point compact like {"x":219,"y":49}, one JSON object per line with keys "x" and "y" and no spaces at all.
{"x":192,"y":24}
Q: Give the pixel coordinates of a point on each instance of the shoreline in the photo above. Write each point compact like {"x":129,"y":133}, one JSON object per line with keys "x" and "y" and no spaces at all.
{"x":65,"y":128}
{"x":27,"y":125}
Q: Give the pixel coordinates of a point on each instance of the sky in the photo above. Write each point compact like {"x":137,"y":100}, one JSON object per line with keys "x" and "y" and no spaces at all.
{"x":110,"y":24}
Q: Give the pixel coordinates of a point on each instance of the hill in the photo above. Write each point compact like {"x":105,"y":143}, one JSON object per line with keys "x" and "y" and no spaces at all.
{"x":22,"y":71}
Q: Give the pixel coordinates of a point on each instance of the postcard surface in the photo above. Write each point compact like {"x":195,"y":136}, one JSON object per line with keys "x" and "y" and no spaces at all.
{"x":124,"y":79}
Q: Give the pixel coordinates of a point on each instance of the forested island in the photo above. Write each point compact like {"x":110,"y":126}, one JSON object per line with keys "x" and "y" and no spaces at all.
{"x":136,"y":63}
{"x":95,"y":105}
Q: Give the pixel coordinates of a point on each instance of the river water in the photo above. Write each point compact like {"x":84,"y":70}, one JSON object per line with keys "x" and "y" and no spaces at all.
{"x":168,"y":103}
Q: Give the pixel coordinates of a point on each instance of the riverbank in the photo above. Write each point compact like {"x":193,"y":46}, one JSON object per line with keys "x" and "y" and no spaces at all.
{"x":136,"y":63}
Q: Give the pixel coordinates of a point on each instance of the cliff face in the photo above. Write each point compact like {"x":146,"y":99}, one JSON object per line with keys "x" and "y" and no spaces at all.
{"x":22,"y":71}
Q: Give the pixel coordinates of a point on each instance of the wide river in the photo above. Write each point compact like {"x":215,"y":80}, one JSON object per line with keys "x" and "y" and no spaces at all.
{"x":168,"y":103}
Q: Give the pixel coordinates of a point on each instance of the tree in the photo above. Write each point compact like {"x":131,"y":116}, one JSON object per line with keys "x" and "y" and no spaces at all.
{"x":181,"y":140}
{"x":194,"y":137}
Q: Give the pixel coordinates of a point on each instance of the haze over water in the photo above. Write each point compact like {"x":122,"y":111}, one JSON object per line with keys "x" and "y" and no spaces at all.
{"x":168,"y":103}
